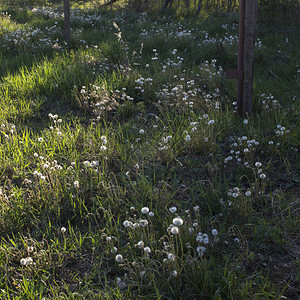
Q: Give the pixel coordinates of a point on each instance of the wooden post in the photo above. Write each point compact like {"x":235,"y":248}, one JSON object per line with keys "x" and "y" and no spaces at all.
{"x":244,"y":73}
{"x":67,"y":31}
{"x":248,"y":61}
{"x":240,"y":78}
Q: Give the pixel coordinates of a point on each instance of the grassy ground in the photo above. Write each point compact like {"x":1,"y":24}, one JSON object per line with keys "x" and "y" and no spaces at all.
{"x":125,"y":171}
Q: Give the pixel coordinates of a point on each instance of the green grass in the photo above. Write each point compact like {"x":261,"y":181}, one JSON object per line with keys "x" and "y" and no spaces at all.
{"x":90,"y":136}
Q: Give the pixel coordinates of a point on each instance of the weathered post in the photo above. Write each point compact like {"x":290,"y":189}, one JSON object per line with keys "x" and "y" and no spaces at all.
{"x":244,"y":73}
{"x":67,"y":31}
{"x":248,"y":61}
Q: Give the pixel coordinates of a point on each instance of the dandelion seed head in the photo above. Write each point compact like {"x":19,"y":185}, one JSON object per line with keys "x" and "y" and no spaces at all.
{"x":29,"y":260}
{"x":173,"y":209}
{"x":145,"y":210}
{"x":26,"y":261}
{"x":214,"y":232}
{"x":171,"y":257}
{"x":141,"y":244}
{"x":174,"y":230}
{"x":30,"y":249}
{"x":76,"y":184}
{"x":126,"y":223}
{"x":147,"y":250}
{"x":136,"y":225}
{"x":201,"y":250}
{"x":206,"y":241}
{"x":191,"y":230}
{"x":177,"y":221}
{"x":119,"y":258}
{"x":86,"y":163}
{"x":143,"y":223}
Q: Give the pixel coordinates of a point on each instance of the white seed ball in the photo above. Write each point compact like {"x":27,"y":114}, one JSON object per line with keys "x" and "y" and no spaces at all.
{"x":145,"y":210}
{"x":177,"y":221}
{"x":174,"y":230}
{"x":140,"y":244}
{"x":214,"y":232}
{"x":172,"y":209}
{"x":171,"y":257}
{"x":119,"y":258}
{"x":147,"y":250}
